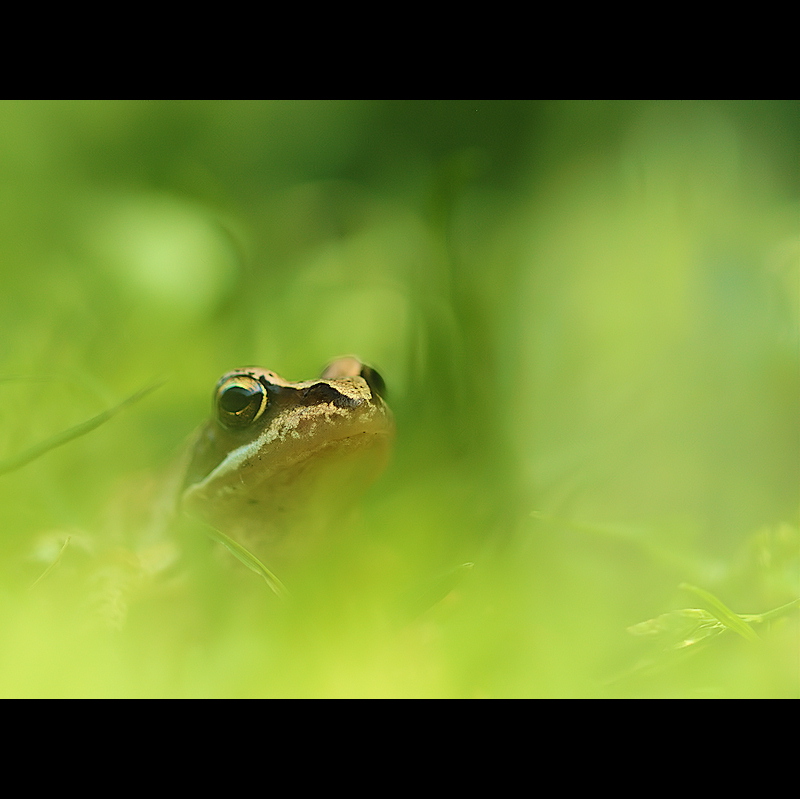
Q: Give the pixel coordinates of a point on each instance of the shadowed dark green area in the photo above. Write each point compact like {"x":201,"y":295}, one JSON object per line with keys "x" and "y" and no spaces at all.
{"x":586,"y":314}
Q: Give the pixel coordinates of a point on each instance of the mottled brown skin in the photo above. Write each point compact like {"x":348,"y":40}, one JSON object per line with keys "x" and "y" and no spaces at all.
{"x":277,"y":484}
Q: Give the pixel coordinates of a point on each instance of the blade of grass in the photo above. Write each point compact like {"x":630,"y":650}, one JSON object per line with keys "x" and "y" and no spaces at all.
{"x":64,"y":437}
{"x":52,"y":565}
{"x":723,"y":613}
{"x":249,"y":560}
{"x":770,"y":615}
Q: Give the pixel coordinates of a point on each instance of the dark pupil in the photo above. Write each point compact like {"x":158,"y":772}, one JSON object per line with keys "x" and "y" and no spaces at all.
{"x":240,"y":405}
{"x":237,"y":398}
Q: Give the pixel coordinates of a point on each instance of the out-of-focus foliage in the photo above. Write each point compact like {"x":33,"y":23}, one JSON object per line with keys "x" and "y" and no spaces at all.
{"x":587,"y":317}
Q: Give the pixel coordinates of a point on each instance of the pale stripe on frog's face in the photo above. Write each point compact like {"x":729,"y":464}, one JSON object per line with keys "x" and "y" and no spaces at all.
{"x":279,"y":460}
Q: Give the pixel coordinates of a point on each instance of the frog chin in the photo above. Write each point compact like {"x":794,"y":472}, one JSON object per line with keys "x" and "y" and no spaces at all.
{"x":301,"y":483}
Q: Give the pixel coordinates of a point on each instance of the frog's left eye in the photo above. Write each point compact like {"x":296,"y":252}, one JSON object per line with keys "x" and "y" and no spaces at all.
{"x":240,"y":401}
{"x":374,"y":380}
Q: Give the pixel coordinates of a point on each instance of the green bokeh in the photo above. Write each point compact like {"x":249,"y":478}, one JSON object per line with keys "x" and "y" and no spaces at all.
{"x":587,"y":317}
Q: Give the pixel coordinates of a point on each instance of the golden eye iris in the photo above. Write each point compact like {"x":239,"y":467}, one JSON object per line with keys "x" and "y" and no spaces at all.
{"x":240,"y":401}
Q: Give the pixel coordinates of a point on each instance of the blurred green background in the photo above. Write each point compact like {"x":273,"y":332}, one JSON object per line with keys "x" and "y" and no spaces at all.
{"x":587,"y":317}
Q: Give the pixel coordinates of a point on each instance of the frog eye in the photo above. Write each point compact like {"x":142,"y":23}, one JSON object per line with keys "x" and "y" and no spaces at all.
{"x":374,"y":380}
{"x":352,"y":367}
{"x":240,"y":400}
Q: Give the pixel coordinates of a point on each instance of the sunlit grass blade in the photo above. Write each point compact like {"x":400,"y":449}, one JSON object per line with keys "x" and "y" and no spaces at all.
{"x":249,"y":560}
{"x":683,"y":628}
{"x":53,"y":564}
{"x":679,"y":629}
{"x":771,"y":615}
{"x":723,"y":613}
{"x":58,"y":440}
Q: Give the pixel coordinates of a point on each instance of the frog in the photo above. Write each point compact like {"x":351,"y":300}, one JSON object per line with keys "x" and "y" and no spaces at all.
{"x":278,"y":464}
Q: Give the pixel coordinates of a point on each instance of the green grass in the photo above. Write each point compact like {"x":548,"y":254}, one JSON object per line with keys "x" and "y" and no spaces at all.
{"x":587,"y":317}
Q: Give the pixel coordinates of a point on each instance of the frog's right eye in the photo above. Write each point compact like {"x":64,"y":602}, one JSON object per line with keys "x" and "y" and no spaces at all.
{"x":240,"y":401}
